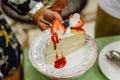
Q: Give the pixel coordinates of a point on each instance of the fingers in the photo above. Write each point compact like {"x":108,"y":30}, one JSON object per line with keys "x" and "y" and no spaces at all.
{"x":58,"y":16}
{"x":42,"y":26}
{"x":51,"y":16}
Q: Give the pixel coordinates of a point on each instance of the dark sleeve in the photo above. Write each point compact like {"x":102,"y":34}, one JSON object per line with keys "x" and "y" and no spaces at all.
{"x":20,"y":6}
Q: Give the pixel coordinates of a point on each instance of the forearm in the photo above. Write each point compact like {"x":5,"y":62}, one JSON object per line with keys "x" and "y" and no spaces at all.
{"x":22,"y":7}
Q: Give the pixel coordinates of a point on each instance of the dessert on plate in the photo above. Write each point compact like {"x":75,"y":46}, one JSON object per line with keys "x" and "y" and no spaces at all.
{"x":64,"y":41}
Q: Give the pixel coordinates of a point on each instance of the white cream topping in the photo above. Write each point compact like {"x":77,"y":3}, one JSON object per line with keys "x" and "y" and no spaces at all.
{"x":74,"y":20}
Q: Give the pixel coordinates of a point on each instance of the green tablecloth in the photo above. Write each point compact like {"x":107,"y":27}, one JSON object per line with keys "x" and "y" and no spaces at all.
{"x":94,"y":73}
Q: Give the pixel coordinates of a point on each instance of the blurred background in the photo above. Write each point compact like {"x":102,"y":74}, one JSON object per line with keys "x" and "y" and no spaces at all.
{"x":26,"y":30}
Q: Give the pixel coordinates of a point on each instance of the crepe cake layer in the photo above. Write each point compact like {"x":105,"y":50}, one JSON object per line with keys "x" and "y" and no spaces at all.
{"x":66,"y":46}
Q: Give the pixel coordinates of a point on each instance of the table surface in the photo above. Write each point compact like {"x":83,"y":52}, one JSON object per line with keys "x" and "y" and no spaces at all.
{"x":94,"y":73}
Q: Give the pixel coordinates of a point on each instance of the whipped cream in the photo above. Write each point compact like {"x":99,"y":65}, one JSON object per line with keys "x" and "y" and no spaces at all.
{"x":74,"y":20}
{"x":61,"y":36}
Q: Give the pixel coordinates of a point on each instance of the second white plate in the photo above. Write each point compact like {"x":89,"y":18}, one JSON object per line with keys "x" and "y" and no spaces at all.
{"x":110,"y":70}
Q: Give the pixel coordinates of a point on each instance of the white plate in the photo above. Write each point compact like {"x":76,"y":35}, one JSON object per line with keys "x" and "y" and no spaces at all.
{"x":77,"y":63}
{"x":110,"y":70}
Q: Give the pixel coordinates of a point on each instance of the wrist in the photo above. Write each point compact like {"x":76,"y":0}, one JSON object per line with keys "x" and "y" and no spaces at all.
{"x":36,"y":8}
{"x":39,"y":13}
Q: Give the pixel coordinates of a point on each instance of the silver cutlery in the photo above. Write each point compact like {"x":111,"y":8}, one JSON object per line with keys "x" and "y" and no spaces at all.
{"x":114,"y":56}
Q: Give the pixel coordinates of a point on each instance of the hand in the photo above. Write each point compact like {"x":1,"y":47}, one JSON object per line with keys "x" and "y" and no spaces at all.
{"x":47,"y":15}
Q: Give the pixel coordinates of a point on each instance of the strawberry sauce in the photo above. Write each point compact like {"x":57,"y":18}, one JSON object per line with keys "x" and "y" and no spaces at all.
{"x":57,"y":28}
{"x":55,"y":39}
{"x":60,"y":63}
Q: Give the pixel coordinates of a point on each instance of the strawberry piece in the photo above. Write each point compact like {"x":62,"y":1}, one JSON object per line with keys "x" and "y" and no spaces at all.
{"x":58,"y":27}
{"x":81,"y":22}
